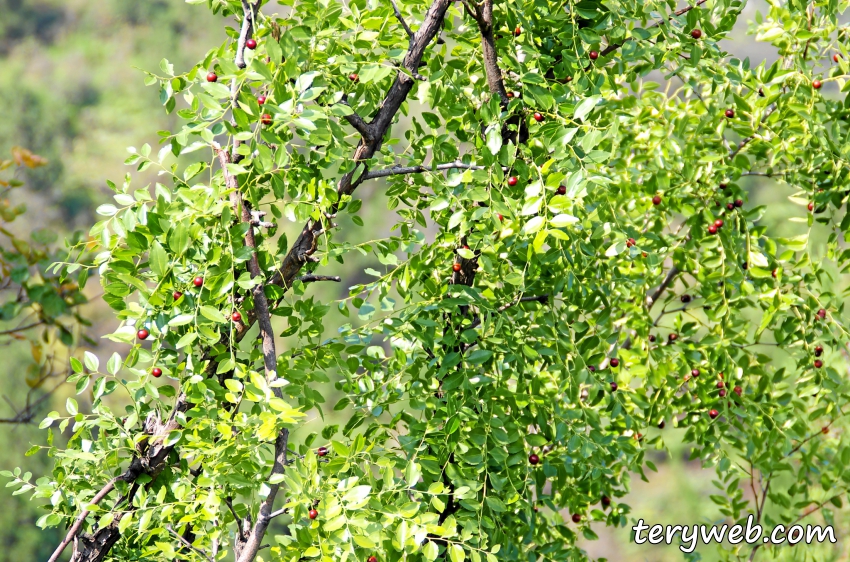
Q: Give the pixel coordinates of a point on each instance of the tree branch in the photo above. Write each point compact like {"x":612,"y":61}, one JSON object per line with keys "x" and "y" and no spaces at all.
{"x":360,"y":125}
{"x":187,"y":543}
{"x":483,"y":15}
{"x":314,"y":278}
{"x":401,"y":19}
{"x":247,"y":29}
{"x":75,"y":528}
{"x":650,"y":300}
{"x":399,"y":170}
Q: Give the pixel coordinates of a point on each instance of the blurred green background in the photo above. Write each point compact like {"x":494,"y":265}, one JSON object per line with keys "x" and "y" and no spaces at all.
{"x":71,"y":91}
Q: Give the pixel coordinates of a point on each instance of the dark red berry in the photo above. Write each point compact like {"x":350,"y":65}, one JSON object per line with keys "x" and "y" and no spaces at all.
{"x":614,"y":387}
{"x":818,"y":351}
{"x":236,"y":316}
{"x":694,"y":372}
{"x":713,"y":414}
{"x":198,"y":281}
{"x":372,"y":559}
{"x":723,"y":186}
{"x":730,"y":206}
{"x":720,"y":384}
{"x":615,"y":362}
{"x":818,"y":363}
{"x":685,"y":298}
{"x":738,"y":390}
{"x":816,"y":84}
{"x":631,"y":242}
{"x":594,"y":55}
{"x":177,"y":295}
{"x":562,"y":190}
{"x":156,"y":372}
{"x":212,"y":77}
{"x":312,"y":514}
{"x":836,"y":57}
{"x":456,"y":267}
{"x":651,"y":337}
{"x":261,"y":100}
{"x":673,"y":337}
{"x":712,"y":229}
{"x":322,"y":452}
{"x":656,"y":200}
{"x":251,"y":44}
{"x":718,"y":223}
{"x":510,"y":95}
{"x":761,"y":92}
{"x":722,"y":393}
{"x":821,"y":314}
{"x":745,"y":265}
{"x":576,"y":518}
{"x":267,"y":119}
{"x":696,"y":33}
{"x":606,"y":501}
{"x":512,"y":181}
{"x":533,"y":459}
{"x":661,"y":424}
{"x":730,"y":113}
{"x":353,"y":77}
{"x":142,"y":334}
{"x":774,"y":273}
{"x":591,"y":368}
{"x":538,"y":117}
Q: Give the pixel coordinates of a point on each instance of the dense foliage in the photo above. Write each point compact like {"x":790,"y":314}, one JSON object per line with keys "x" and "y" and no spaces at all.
{"x":570,"y":265}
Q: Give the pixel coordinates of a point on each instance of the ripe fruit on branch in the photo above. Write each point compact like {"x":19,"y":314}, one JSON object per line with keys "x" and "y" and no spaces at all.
{"x":372,"y":559}
{"x":712,"y":229}
{"x":738,"y":390}
{"x":142,"y":334}
{"x":593,"y":55}
{"x":730,"y":206}
{"x":198,"y":281}
{"x":672,"y":337}
{"x":614,"y":387}
{"x":651,"y":338}
{"x":312,"y":514}
{"x":818,"y":351}
{"x":605,"y":501}
{"x":591,"y":368}
{"x":518,"y":31}
{"x":456,"y":267}
{"x":816,"y":84}
{"x":694,"y":373}
{"x":661,"y":424}
{"x":533,"y":459}
{"x":821,"y":313}
{"x":512,"y":181}
{"x":562,"y":190}
{"x":322,"y":452}
{"x":353,"y":77}
{"x":266,"y":119}
{"x":576,"y":518}
{"x":686,"y":298}
{"x":739,"y":202}
{"x":156,"y":372}
{"x":177,"y":295}
{"x":251,"y":44}
{"x":212,"y":77}
{"x":713,"y":414}
{"x":236,"y":316}
{"x":722,"y":393}
{"x":818,"y":363}
{"x":615,"y":362}
{"x":656,"y":200}
{"x":261,"y":100}
{"x":730,"y":113}
{"x":718,"y":223}
{"x":836,"y":57}
{"x":538,"y":117}
{"x":696,"y":33}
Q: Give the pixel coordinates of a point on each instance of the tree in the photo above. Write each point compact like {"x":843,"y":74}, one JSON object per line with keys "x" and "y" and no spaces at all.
{"x":572,"y":264}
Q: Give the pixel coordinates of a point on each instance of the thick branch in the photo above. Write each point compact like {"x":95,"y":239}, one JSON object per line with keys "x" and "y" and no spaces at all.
{"x":75,"y":528}
{"x":360,"y":126}
{"x":483,"y":15}
{"x":245,"y":32}
{"x":399,"y":170}
{"x":314,"y":278}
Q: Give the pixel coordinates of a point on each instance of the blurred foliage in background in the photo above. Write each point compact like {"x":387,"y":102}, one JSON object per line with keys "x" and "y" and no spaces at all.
{"x":71,"y":92}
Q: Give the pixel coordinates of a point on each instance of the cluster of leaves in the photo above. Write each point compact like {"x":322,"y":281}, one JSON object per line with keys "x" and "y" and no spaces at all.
{"x":573,"y":264}
{"x":41,"y":301}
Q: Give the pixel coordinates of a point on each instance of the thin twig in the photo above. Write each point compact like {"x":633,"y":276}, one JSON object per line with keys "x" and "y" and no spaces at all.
{"x":314,"y":278}
{"x":401,"y":19}
{"x":75,"y":528}
{"x":187,"y":543}
{"x":399,"y":170}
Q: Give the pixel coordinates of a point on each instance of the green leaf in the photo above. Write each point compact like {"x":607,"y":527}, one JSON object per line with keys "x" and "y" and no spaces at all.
{"x":158,"y":259}
{"x":456,"y":553}
{"x":213,"y":314}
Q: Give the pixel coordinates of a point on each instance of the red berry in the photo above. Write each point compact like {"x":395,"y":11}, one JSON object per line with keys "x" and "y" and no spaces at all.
{"x":761,"y":92}
{"x":499,"y":215}
{"x":456,"y":267}
{"x":718,"y":223}
{"x":251,"y":44}
{"x":661,"y":424}
{"x":538,"y":117}
{"x":606,"y":501}
{"x":615,"y":362}
{"x":694,"y":372}
{"x":818,"y":351}
{"x":313,"y":514}
{"x":512,"y":181}
{"x":722,"y":393}
{"x":591,"y":368}
{"x":723,"y":186}
{"x":177,"y":295}
{"x":212,"y":77}
{"x":774,"y":273}
{"x":353,"y":77}
{"x":198,"y":281}
{"x":656,"y":200}
{"x":266,"y":119}
{"x":730,"y":206}
{"x":730,"y":113}
{"x":518,"y":31}
{"x":236,"y":316}
{"x":745,"y":265}
{"x":810,"y":206}
{"x":821,"y":314}
{"x":372,"y":559}
{"x":836,"y":57}
{"x":739,"y":202}
{"x":562,"y":190}
{"x":156,"y":372}
{"x":720,"y":375}
{"x":261,"y":100}
{"x":685,"y":298}
{"x":720,"y":384}
{"x":322,"y":452}
{"x":713,"y":414}
{"x":712,"y":229}
{"x":614,"y":387}
{"x":816,"y":84}
{"x":696,"y":33}
{"x":533,"y":459}
{"x":576,"y":518}
{"x":673,"y":337}
{"x":510,"y":95}
{"x":594,"y":55}
{"x":818,"y":363}
{"x":632,"y":242}
{"x":651,"y":338}
{"x":738,"y":390}
{"x":142,"y":334}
